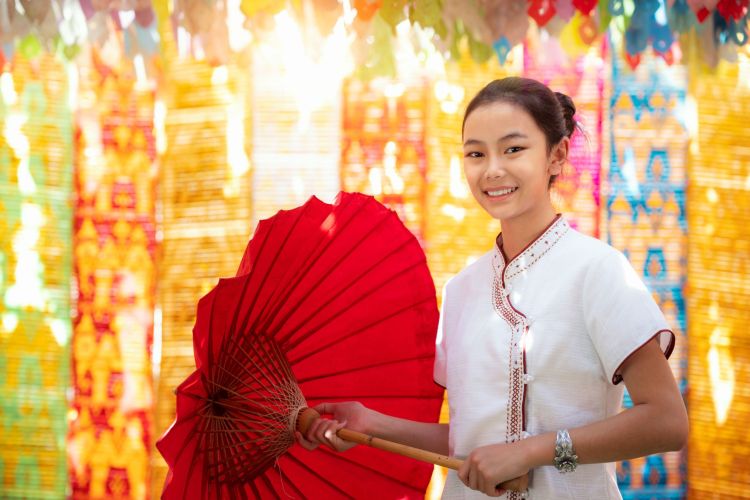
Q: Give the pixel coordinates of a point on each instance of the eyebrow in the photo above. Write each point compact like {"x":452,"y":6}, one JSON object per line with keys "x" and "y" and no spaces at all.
{"x":512,"y":135}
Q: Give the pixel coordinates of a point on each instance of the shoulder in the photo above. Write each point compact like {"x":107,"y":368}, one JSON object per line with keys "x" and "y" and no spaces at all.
{"x":592,"y":254}
{"x":603,"y":267}
{"x":592,"y":248}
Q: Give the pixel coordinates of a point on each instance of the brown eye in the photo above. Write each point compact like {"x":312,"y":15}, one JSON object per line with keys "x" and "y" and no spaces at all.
{"x":514,"y":149}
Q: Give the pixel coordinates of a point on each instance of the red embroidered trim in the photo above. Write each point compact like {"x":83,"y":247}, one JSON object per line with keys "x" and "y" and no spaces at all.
{"x":515,"y":421}
{"x":537,"y":249}
{"x":519,"y":325}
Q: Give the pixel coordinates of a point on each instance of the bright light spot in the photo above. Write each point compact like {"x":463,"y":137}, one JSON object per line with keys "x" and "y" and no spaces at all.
{"x":141,"y":77}
{"x":313,"y":80}
{"x":10,"y":321}
{"x":239,"y":37}
{"x":126,"y":18}
{"x":629,"y":172}
{"x":160,"y":115}
{"x":449,"y":95}
{"x":27,"y":291}
{"x":457,"y":213}
{"x":18,"y":141}
{"x":220,"y":75}
{"x":688,"y":115}
{"x":183,"y":43}
{"x":8,"y":89}
{"x":156,"y":349}
{"x":236,"y":155}
{"x":743,"y":63}
{"x":394,"y":90}
{"x":721,"y":374}
{"x":376,"y":181}
{"x":389,"y":168}
{"x":713,"y":311}
{"x":72,"y":73}
{"x":350,"y":13}
{"x":60,"y":330}
{"x":527,"y":341}
{"x":298,"y":187}
{"x":458,"y":187}
{"x":712,"y":195}
{"x":661,"y":14}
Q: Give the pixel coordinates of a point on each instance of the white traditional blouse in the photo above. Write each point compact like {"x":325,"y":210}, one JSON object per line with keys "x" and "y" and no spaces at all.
{"x":535,"y":345}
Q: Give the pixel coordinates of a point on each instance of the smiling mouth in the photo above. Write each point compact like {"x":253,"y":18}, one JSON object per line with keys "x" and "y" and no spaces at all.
{"x":501,"y":192}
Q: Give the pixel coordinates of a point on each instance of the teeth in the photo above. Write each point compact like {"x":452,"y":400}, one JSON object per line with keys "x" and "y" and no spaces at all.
{"x":501,"y":192}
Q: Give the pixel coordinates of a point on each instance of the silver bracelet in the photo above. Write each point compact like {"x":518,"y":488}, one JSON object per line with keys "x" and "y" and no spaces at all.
{"x":566,"y":459}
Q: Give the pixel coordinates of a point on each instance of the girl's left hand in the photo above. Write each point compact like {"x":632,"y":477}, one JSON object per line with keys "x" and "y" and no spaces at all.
{"x":488,"y":466}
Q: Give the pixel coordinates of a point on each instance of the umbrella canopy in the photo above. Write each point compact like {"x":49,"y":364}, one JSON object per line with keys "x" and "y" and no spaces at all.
{"x":330,"y":303}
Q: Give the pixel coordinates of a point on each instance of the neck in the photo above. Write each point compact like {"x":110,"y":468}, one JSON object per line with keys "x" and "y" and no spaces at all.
{"x":518,"y":233}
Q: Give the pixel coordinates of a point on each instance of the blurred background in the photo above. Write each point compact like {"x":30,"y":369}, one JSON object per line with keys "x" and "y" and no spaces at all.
{"x":142,"y":141}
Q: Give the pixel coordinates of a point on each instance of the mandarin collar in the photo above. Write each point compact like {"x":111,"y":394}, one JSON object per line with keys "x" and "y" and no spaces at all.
{"x":533,"y":252}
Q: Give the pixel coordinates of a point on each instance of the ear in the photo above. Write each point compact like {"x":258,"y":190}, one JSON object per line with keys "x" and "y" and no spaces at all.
{"x":558,"y":156}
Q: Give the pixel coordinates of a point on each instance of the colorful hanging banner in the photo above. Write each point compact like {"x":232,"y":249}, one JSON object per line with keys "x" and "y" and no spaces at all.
{"x":718,"y":207}
{"x":576,"y":192}
{"x":205,"y":188}
{"x":644,"y":216}
{"x":115,"y":252}
{"x":36,"y":170}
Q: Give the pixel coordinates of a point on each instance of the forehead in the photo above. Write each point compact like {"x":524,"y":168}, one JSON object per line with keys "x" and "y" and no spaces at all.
{"x":499,"y":119}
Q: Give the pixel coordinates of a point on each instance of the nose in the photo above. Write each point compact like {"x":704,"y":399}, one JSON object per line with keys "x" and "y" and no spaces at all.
{"x":495,"y":167}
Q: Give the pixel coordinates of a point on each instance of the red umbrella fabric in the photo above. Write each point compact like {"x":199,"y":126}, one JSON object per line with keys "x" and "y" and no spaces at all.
{"x":330,"y":303}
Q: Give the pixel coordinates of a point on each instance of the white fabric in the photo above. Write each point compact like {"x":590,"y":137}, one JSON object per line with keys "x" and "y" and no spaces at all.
{"x":582,"y":310}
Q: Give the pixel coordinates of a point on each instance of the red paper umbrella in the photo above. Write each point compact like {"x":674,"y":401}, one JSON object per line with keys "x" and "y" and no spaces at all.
{"x":331,"y":303}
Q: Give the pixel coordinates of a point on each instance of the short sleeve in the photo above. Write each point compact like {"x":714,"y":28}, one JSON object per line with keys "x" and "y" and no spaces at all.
{"x":621,"y":315}
{"x":439,"y":373}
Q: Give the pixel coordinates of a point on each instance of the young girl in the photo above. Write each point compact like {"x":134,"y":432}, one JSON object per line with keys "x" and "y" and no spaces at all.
{"x":537,"y":335}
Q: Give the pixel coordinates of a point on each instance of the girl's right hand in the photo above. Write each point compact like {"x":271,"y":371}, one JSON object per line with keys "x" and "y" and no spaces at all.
{"x":352,"y":415}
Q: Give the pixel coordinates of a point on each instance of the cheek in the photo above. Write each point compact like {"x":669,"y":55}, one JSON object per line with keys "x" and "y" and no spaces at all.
{"x":473,"y":172}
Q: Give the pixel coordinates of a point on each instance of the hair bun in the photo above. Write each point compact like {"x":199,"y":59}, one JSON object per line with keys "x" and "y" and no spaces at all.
{"x":569,"y":112}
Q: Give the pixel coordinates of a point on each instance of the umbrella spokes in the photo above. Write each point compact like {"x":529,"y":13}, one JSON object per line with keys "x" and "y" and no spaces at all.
{"x":248,"y":419}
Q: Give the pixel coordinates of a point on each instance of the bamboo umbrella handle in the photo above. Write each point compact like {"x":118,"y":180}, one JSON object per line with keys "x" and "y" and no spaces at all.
{"x":307,"y":416}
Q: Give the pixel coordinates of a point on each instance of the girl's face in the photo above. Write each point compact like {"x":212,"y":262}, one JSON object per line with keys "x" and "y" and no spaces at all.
{"x":506,"y":161}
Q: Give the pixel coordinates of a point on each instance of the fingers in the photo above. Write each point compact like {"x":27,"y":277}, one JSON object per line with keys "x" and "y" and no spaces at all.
{"x":308,"y":445}
{"x":473,"y":479}
{"x":323,"y":431}
{"x":463,"y":472}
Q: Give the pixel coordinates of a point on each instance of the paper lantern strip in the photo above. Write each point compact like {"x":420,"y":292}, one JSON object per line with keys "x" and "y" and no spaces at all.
{"x":34,"y":279}
{"x":111,"y":356}
{"x":115,"y":251}
{"x":643,"y":207}
{"x":577,"y":191}
{"x":718,"y":208}
{"x":383,"y":151}
{"x":109,"y":455}
{"x":207,"y":207}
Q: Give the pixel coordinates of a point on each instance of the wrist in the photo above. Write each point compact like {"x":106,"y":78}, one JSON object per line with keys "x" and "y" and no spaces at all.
{"x":539,"y":450}
{"x":372,"y":422}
